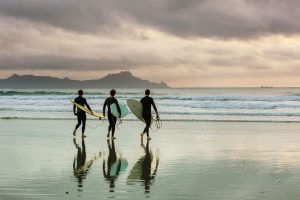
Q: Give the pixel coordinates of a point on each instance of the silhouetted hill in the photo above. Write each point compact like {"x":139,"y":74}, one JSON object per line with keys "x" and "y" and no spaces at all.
{"x":119,"y":80}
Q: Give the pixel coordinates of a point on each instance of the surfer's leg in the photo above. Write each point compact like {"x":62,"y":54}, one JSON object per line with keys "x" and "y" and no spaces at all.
{"x":114,"y":121}
{"x":148,"y":124}
{"x":145,"y":129}
{"x":110,"y":120}
{"x":109,"y":129}
{"x":83,"y":117}
{"x":78,"y":123}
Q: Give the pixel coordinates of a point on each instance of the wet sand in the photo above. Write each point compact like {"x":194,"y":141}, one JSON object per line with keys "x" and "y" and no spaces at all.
{"x":184,"y":160}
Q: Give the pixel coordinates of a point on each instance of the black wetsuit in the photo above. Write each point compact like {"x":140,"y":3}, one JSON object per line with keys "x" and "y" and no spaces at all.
{"x":146,"y":103}
{"x":111,"y":118}
{"x":81,"y":116}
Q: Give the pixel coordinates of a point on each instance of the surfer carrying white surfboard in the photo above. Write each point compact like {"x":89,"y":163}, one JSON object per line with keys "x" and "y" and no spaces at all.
{"x":146,"y":104}
{"x":81,"y":116}
{"x":111,"y":118}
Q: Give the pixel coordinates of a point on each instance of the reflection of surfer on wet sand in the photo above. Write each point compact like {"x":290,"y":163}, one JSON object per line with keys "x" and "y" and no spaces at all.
{"x":80,"y":165}
{"x":114,"y":166}
{"x":142,"y":169}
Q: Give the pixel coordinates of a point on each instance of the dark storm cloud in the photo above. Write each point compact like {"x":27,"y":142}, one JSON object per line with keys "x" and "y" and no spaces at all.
{"x":184,"y":18}
{"x":74,"y":15}
{"x":215,"y":18}
{"x":9,"y":62}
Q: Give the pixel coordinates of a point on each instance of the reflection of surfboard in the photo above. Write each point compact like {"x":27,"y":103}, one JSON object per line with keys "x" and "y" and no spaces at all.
{"x":87,"y":110}
{"x":114,"y":110}
{"x":136,"y":108}
{"x":137,"y":173}
{"x":114,"y":167}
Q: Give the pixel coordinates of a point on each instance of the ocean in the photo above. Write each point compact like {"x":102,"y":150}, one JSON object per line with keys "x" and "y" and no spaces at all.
{"x":196,"y":104}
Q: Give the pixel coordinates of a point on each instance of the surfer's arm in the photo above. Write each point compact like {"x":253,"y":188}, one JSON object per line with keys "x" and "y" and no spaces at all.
{"x":153,"y":104}
{"x":104,"y":106}
{"x":118,"y":108}
{"x":87,"y":105}
{"x":74,"y":107}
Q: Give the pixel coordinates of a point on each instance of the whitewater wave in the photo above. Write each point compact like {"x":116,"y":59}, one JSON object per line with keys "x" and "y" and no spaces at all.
{"x":139,"y":95}
{"x":188,"y":105}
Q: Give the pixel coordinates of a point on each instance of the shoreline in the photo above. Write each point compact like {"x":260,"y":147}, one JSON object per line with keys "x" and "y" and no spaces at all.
{"x":171,"y":120}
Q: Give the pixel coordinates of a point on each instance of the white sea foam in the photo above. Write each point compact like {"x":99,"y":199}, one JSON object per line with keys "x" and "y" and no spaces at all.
{"x":254,"y":104}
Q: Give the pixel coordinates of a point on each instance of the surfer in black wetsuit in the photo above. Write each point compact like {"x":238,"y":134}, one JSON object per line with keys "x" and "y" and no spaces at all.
{"x":111,"y":118}
{"x":81,"y":116}
{"x":146,"y":103}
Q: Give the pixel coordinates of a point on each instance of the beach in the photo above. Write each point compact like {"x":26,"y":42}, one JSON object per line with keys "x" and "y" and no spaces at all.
{"x":184,"y":160}
{"x":217,"y":83}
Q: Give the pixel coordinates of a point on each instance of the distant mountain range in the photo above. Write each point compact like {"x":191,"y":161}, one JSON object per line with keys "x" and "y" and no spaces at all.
{"x":123,"y":79}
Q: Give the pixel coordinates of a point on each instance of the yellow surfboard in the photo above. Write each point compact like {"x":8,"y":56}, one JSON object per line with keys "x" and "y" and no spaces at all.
{"x":87,"y":110}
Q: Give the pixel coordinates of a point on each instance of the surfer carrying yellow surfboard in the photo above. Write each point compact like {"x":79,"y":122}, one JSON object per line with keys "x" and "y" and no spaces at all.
{"x":146,"y":104}
{"x":111,"y":118}
{"x":81,"y":116}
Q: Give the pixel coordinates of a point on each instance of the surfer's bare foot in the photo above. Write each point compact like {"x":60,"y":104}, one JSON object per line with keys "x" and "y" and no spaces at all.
{"x":149,"y":138}
{"x":113,"y":138}
{"x":83,"y":136}
{"x":107,"y":135}
{"x":74,"y":133}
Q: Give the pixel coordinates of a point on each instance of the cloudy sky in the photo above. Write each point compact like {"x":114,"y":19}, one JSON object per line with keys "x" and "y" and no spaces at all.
{"x":187,"y":43}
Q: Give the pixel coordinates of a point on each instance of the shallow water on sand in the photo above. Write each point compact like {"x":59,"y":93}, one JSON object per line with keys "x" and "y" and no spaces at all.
{"x":184,"y":160}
